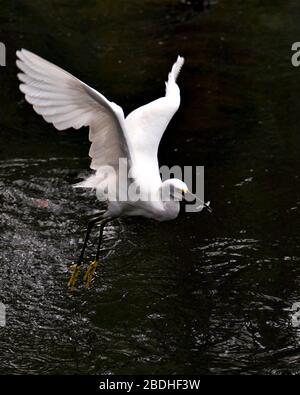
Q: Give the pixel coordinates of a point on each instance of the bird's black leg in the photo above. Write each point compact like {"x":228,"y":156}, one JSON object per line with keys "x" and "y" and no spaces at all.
{"x":103,"y":223}
{"x":90,"y":226}
{"x":75,"y":267}
{"x":92,"y":267}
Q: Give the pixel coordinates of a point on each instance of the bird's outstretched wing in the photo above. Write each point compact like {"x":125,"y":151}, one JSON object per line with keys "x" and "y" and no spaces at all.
{"x":148,"y":123}
{"x":66,"y":102}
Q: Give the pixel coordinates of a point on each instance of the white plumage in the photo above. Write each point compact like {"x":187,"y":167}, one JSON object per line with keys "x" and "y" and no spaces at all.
{"x":66,"y":102}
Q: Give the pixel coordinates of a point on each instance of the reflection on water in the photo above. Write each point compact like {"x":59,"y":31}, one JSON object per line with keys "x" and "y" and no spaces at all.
{"x":204,"y":293}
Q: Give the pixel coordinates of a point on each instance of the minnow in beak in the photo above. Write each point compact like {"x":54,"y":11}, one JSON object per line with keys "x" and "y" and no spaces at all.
{"x":203,"y":204}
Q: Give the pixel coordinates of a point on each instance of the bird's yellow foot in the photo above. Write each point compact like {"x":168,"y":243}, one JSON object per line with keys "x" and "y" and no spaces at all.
{"x":75,"y":268}
{"x":90,"y":271}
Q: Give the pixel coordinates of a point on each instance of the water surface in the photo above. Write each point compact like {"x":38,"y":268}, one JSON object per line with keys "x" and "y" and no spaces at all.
{"x":204,"y":293}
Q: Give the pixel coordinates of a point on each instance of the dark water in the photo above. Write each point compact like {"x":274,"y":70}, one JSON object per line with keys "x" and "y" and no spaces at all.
{"x":204,"y":293}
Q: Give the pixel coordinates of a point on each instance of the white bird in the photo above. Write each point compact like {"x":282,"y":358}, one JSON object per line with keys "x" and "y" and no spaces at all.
{"x":66,"y":102}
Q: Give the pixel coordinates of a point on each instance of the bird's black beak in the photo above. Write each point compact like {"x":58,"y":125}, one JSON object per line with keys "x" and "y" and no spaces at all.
{"x":203,"y":204}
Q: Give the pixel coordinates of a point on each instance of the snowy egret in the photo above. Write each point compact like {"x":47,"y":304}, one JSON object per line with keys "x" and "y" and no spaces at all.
{"x":66,"y":102}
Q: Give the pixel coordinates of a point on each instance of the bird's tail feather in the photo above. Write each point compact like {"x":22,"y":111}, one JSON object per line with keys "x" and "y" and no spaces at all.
{"x":90,"y":182}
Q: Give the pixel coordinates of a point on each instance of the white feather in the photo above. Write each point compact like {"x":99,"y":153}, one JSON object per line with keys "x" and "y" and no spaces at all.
{"x":66,"y":102}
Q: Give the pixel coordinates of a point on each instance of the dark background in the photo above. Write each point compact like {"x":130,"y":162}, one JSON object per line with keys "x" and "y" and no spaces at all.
{"x":204,"y":293}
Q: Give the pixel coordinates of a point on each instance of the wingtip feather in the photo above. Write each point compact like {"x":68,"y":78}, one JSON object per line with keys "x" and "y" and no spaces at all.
{"x":176,"y":68}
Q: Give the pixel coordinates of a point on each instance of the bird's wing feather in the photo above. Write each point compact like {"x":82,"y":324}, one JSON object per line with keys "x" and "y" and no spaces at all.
{"x":147,"y":124}
{"x":66,"y":102}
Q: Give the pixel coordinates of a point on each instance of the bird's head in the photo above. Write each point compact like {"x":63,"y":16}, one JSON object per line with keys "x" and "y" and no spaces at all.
{"x":173,"y":189}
